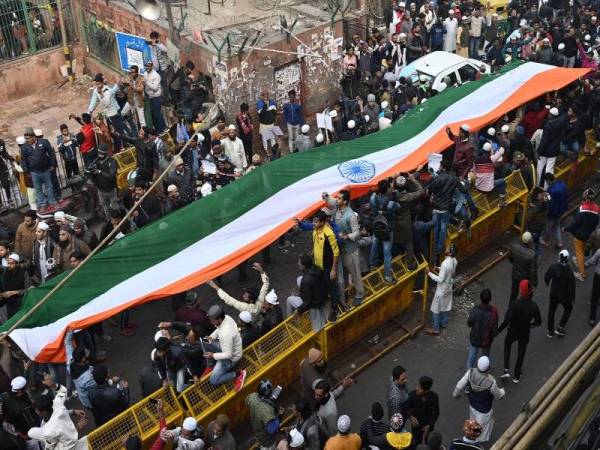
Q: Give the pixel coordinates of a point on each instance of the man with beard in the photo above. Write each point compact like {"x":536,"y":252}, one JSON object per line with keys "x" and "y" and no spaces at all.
{"x":85,"y":234}
{"x":173,"y":201}
{"x":25,"y":235}
{"x":145,"y":152}
{"x":311,"y":369}
{"x":66,"y":245}
{"x":104,"y":177}
{"x":43,"y":248}
{"x":149,"y":210}
{"x":397,"y":391}
{"x":181,"y":177}
{"x":135,"y":93}
{"x":17,"y":409}
{"x":16,"y":282}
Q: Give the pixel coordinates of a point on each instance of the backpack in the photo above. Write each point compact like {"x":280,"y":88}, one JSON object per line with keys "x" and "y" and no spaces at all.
{"x":315,"y":420}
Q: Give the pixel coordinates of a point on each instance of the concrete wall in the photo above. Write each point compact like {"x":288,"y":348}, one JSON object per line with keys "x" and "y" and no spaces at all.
{"x":33,"y":74}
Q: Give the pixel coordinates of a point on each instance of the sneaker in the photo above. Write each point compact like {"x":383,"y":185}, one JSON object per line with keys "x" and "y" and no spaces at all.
{"x":239,"y":380}
{"x":357,"y":301}
{"x":544,"y":242}
{"x":389,"y":280}
{"x":516,"y":380}
{"x":592,"y":323}
{"x":579,"y":276}
{"x":432,"y":332}
{"x":332,"y":316}
{"x":506,"y":374}
{"x":106,"y":337}
{"x":560,"y":331}
{"x":550,"y":335}
{"x":207,"y":371}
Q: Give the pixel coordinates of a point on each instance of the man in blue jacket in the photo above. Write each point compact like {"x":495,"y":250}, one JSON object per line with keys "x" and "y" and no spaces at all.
{"x":37,"y":158}
{"x":559,"y":201}
{"x":293,"y":118}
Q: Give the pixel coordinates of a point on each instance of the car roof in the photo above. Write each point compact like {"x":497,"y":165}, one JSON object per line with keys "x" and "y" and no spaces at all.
{"x":433,"y":63}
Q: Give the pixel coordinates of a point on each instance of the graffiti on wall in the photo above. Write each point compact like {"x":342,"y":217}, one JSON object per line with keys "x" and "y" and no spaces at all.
{"x":286,"y":79}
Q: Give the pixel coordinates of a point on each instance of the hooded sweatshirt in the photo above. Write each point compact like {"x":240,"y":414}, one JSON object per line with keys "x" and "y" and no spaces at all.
{"x":562,"y":287}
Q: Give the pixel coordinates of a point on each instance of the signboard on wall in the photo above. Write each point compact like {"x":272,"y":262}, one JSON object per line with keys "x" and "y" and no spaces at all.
{"x":133,"y":50}
{"x":286,"y":78}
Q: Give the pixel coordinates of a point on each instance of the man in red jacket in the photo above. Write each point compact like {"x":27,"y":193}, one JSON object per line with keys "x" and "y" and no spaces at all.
{"x":86,"y":138}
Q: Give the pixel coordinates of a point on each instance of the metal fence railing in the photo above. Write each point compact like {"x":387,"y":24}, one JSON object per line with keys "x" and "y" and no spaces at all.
{"x":30,"y":26}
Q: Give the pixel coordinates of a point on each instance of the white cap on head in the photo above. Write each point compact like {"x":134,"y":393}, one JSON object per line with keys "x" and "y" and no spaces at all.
{"x":319,"y":138}
{"x":526,"y":237}
{"x":465,"y":127}
{"x":190,"y":424}
{"x":305,"y":128}
{"x":271,"y":297}
{"x":16,"y":258}
{"x":333,"y":113}
{"x":367,"y":118}
{"x":38,"y":132}
{"x":491,"y":131}
{"x":206,"y":189}
{"x":245,"y":316}
{"x":422,"y":78}
{"x":59,"y":215}
{"x":384,"y":104}
{"x":402,"y":35}
{"x":231,"y":127}
{"x":505,"y":128}
{"x":423,"y":101}
{"x":200,"y":137}
{"x":554,"y":111}
{"x":351,"y":124}
{"x":487,"y":147}
{"x":587,"y":37}
{"x":546,"y":40}
{"x":483,"y":364}
{"x":343,"y":423}
{"x":523,"y":23}
{"x":18,"y":383}
{"x":401,"y":4}
{"x":296,"y":439}
{"x":20,"y":140}
{"x":451,"y":12}
{"x":43,"y":226}
{"x":594,"y":18}
{"x":171,"y":188}
{"x":161,"y":333}
{"x":561,"y":46}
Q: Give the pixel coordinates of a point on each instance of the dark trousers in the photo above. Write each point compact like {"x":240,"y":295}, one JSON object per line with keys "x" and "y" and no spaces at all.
{"x":522,"y":347}
{"x":567,"y":308}
{"x":55,"y":184}
{"x":157,"y":118}
{"x":247,"y":141}
{"x":71,"y":167}
{"x":514,"y":292}
{"x":595,"y":297}
{"x":116,"y":122}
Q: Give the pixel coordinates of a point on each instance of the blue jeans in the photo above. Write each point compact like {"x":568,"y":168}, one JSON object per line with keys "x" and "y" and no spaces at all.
{"x":387,"y":255}
{"x":223,"y":368}
{"x":440,"y":229}
{"x":43,"y":180}
{"x":500,"y":186}
{"x":473,"y":47}
{"x":570,"y":150}
{"x":440,"y":320}
{"x":421,"y":231}
{"x":472,"y":358}
{"x":157,"y":118}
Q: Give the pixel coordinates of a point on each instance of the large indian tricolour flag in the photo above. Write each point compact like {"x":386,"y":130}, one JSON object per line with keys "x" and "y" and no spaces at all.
{"x":215,"y":234}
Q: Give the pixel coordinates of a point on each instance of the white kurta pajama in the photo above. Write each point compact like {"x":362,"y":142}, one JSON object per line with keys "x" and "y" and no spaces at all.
{"x":451,"y":27}
{"x":442,"y":299}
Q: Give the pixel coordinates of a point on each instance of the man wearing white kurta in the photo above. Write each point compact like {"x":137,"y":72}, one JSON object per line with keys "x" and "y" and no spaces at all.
{"x":482,"y":389}
{"x":234,"y":149}
{"x":451,"y":27}
{"x":442,"y":299}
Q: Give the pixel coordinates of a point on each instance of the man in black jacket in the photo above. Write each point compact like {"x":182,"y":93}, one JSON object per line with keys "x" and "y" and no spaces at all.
{"x":108,"y":399}
{"x":172,"y":364}
{"x":145,"y":152}
{"x":104,"y":177}
{"x":350,"y":84}
{"x":313,"y":292}
{"x":550,"y":142}
{"x":37,"y":158}
{"x":442,"y":189}
{"x":483,"y":321}
{"x":520,"y":317}
{"x":422,"y":408}
{"x":524,"y":264}
{"x":562,"y":292}
{"x":149,"y":210}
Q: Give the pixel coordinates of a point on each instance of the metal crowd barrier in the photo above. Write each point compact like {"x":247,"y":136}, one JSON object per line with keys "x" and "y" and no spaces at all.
{"x":140,"y":419}
{"x":492,"y":220}
{"x":276,"y":355}
{"x":587,"y":164}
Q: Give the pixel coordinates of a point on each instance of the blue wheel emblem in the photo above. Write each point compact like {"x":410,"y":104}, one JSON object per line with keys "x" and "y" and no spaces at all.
{"x":357,"y":171}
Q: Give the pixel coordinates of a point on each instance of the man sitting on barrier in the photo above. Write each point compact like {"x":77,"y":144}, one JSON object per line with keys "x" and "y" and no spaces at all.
{"x":224,"y":349}
{"x":171,"y":363}
{"x":484,"y":168}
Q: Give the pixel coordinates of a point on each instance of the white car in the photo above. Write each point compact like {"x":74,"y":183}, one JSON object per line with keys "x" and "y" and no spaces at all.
{"x":436,"y":66}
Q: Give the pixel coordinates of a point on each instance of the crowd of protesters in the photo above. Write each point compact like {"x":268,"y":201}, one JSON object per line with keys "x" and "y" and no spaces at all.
{"x":350,"y":237}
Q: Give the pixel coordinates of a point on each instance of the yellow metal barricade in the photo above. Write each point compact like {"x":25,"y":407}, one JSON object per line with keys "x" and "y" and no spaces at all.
{"x":141,"y":419}
{"x":587,"y":165}
{"x":126,"y":162}
{"x":492,"y":221}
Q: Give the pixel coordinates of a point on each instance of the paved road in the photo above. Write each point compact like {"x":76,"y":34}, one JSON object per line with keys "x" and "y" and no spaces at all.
{"x":444,"y":358}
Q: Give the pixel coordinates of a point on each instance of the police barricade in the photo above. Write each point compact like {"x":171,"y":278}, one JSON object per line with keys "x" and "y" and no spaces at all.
{"x":140,"y":420}
{"x":384,"y":302}
{"x":493,"y":220}
{"x":587,"y":165}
